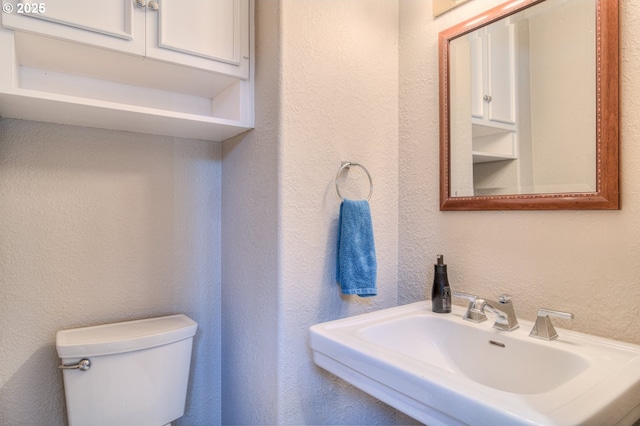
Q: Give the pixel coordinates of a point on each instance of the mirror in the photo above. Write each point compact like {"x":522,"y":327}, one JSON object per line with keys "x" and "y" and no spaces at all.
{"x":529,"y":107}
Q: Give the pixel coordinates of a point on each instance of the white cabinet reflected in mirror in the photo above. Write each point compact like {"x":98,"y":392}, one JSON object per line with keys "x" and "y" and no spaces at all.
{"x":529,"y":107}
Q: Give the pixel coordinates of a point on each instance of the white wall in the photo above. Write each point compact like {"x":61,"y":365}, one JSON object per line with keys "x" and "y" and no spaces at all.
{"x":101,"y":226}
{"x":339,"y":103}
{"x":558,"y":135}
{"x":461,"y":131}
{"x":250,"y":298}
{"x":585,"y":262}
{"x":328,"y":78}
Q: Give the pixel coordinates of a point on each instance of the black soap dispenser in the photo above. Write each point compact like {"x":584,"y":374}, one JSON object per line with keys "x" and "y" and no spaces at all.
{"x":440,"y":292}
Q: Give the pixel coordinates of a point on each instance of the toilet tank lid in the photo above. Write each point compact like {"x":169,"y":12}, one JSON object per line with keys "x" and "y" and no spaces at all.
{"x":124,"y":336}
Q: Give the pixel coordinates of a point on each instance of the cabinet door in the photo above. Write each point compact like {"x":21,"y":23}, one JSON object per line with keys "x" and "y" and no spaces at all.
{"x":501,"y":74}
{"x":112,"y":24}
{"x":206,"y":34}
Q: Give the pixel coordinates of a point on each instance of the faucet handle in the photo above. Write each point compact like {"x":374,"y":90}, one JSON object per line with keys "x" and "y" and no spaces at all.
{"x":475,"y":311}
{"x":543,"y":328}
{"x":469,"y":297}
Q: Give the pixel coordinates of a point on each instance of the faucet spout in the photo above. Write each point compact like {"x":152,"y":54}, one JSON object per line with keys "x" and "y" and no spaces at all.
{"x":503,"y":309}
{"x":505,"y":314}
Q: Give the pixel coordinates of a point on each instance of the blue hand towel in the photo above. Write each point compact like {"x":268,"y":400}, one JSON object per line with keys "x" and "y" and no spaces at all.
{"x":356,"y":263}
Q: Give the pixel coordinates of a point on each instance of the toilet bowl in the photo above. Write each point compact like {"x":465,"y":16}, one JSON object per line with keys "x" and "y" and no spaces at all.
{"x":129,"y":373}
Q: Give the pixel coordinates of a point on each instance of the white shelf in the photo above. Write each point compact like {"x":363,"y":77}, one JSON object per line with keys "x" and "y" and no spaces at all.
{"x":492,"y":143}
{"x":41,"y":106}
{"x":485,"y":157}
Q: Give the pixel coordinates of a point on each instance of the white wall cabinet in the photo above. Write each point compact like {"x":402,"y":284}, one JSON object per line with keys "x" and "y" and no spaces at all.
{"x":162,"y":66}
{"x":493,"y":93}
{"x":493,"y":83}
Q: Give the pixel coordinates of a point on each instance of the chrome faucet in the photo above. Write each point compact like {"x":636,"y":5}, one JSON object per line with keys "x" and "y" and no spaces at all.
{"x":503,"y":309}
{"x":506,"y":315}
{"x":543,"y":328}
{"x":475,"y":311}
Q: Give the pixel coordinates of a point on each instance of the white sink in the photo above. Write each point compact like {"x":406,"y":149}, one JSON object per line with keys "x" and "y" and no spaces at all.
{"x":442,"y":370}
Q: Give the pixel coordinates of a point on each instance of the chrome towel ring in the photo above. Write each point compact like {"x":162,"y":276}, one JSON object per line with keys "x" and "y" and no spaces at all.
{"x":346,"y":165}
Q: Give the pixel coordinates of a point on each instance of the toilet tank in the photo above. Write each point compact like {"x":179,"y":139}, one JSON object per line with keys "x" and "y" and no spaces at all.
{"x":138,"y":374}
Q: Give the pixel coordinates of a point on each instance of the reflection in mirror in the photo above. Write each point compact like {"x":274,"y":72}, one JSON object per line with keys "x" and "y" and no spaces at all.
{"x":524,"y":96}
{"x":526,"y":120}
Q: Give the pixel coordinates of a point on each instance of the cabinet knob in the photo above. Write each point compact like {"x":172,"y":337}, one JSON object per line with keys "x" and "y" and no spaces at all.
{"x":485,"y":97}
{"x":141,"y":3}
{"x":153,"y":6}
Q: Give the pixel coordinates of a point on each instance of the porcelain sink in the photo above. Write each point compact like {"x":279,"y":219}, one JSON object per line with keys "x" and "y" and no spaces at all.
{"x":442,"y":370}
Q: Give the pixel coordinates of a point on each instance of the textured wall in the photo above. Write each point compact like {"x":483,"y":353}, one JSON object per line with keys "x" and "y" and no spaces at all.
{"x":327,"y":81}
{"x":250,"y":240}
{"x":339,"y":103}
{"x":585,"y":262}
{"x":101,"y":226}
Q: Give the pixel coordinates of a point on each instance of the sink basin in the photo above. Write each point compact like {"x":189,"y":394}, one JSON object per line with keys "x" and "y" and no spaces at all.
{"x":442,"y":370}
{"x":514,"y":365}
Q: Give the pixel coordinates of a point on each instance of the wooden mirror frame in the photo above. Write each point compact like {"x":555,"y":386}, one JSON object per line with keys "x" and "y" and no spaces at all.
{"x":607,"y":194}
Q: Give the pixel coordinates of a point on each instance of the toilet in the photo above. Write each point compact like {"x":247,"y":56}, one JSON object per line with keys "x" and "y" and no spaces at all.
{"x":129,"y":373}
